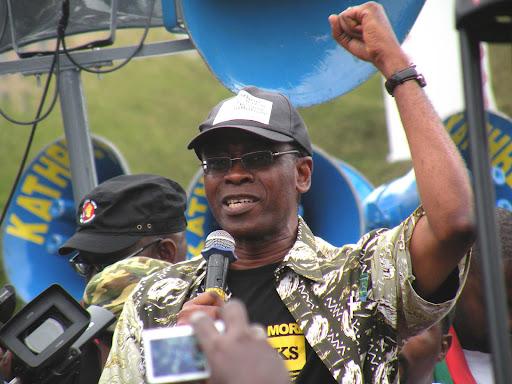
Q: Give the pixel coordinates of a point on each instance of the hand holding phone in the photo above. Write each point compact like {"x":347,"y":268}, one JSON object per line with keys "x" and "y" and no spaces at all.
{"x":173,"y":355}
{"x":241,"y":354}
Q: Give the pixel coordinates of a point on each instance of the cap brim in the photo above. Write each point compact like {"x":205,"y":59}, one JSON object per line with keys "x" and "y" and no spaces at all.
{"x":97,"y":242}
{"x":266,"y":133}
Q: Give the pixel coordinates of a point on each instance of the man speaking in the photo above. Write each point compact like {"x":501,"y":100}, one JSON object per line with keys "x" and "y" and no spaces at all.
{"x":334,"y":314}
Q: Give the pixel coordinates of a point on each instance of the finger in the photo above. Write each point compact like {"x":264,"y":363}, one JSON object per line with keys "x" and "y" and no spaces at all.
{"x":207,"y":298}
{"x":258,"y":332}
{"x":338,"y":32}
{"x":235,"y":316}
{"x":335,"y":26}
{"x":350,"y":25}
{"x":353,"y":13}
{"x":216,"y":299}
{"x":204,"y":329}
{"x":183,"y":316}
{"x":208,"y":302}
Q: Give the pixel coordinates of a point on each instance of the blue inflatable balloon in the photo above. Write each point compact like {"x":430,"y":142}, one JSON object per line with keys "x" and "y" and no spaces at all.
{"x":390,"y":203}
{"x":284,"y":46}
{"x":499,"y":134}
{"x":41,"y":217}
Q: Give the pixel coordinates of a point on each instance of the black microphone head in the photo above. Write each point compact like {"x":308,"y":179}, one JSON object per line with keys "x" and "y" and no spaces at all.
{"x":220,"y":240}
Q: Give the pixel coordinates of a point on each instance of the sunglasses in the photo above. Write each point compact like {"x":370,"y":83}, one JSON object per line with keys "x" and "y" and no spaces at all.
{"x":250,"y":161}
{"x":85,"y":269}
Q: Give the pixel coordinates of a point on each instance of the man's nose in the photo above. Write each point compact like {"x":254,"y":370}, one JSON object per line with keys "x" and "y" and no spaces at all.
{"x":237,"y":173}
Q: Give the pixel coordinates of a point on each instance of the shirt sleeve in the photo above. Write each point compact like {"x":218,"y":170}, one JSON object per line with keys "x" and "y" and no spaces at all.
{"x":392,"y":279}
{"x":125,"y":363}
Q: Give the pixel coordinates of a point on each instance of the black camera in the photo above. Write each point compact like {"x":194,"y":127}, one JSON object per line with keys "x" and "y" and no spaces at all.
{"x":48,"y":334}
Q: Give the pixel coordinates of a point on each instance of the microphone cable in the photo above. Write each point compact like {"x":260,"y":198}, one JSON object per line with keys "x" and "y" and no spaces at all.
{"x":62,"y":32}
{"x":35,"y":122}
{"x":39,"y":115}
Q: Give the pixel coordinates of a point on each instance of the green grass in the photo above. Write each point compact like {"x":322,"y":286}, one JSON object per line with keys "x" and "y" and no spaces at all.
{"x":151,"y":109}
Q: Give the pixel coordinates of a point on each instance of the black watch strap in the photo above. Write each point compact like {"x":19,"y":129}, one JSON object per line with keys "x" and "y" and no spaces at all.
{"x":402,"y":76}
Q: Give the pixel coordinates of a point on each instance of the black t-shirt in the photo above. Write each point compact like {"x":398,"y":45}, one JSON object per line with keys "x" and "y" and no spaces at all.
{"x":257,"y":289}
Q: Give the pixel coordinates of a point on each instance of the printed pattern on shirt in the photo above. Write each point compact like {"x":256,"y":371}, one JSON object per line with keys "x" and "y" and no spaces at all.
{"x":355,"y":304}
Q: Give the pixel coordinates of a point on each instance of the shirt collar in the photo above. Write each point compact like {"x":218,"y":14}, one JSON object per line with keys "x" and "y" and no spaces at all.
{"x":302,"y":258}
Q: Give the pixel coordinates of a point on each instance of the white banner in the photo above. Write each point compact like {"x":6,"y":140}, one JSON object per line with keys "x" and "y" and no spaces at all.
{"x":433,"y":45}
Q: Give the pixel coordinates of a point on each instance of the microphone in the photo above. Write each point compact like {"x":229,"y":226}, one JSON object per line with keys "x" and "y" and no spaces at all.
{"x":218,"y":252}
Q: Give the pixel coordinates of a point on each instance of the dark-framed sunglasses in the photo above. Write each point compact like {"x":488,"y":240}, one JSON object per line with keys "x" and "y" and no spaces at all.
{"x":85,"y":269}
{"x":250,"y":161}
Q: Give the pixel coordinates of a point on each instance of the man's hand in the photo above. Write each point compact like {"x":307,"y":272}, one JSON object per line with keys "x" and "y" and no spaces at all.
{"x":207,"y":302}
{"x":241,"y":354}
{"x":365,"y":31}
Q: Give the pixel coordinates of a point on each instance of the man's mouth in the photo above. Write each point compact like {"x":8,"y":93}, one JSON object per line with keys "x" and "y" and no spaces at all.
{"x":236,"y":205}
{"x":238,"y":202}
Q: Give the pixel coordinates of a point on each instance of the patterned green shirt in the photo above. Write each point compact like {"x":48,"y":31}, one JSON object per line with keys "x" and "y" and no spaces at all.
{"x":355,"y":304}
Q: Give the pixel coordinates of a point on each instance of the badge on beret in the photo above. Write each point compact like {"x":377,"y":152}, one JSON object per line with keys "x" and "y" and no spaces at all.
{"x":88,"y":211}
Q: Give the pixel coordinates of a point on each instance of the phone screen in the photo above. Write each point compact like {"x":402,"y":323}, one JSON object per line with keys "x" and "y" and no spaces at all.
{"x":173,"y":355}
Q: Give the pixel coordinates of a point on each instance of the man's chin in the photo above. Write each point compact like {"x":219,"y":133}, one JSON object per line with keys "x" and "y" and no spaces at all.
{"x":243,"y":233}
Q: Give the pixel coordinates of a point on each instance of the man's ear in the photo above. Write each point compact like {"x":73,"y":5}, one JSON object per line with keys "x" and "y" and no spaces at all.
{"x":167,"y":250}
{"x":304,"y":167}
{"x":446,"y":343}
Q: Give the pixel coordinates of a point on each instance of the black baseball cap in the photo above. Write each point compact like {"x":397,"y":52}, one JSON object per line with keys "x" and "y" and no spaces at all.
{"x":264,"y":113}
{"x":122,"y":210}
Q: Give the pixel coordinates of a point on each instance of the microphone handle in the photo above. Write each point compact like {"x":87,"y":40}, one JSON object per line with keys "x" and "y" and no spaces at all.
{"x":216,"y":273}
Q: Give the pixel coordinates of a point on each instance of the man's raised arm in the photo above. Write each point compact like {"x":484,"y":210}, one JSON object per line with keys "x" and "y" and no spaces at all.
{"x":445,"y":234}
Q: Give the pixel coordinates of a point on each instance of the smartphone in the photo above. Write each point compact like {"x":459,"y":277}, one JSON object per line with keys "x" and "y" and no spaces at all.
{"x":173,"y":355}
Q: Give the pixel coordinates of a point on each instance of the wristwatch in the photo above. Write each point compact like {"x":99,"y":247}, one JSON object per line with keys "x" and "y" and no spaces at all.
{"x":402,"y":76}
